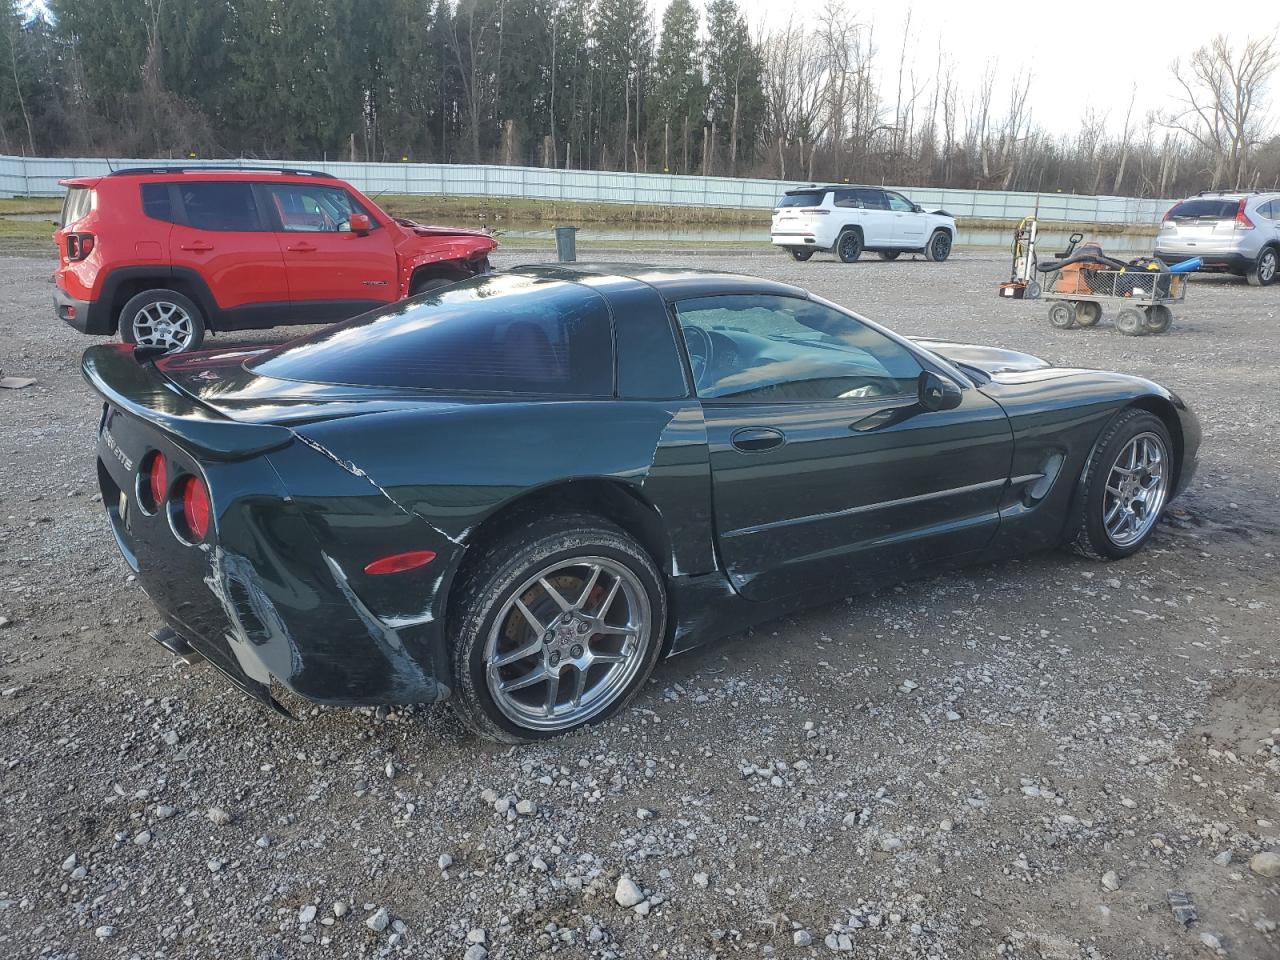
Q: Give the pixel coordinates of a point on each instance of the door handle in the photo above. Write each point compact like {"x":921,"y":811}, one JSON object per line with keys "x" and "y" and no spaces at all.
{"x":757,"y":439}
{"x":303,"y":247}
{"x":197,"y":245}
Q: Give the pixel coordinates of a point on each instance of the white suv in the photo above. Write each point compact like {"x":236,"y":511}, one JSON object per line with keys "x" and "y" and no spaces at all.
{"x":847,"y":220}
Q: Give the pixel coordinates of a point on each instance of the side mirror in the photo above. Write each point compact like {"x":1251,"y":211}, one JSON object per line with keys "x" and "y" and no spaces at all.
{"x":359,"y":224}
{"x":938,"y":393}
{"x":918,"y":208}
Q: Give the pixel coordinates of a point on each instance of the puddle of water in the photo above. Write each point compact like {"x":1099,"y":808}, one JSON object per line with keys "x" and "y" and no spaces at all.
{"x":990,"y":238}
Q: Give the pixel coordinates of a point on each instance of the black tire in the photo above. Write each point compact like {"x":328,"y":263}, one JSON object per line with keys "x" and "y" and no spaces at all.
{"x":1131,"y":321}
{"x":1263,"y":271}
{"x":1088,"y":313}
{"x":141,"y":321}
{"x":890,"y":254}
{"x":428,"y":284}
{"x":849,"y":245}
{"x":800,"y":253}
{"x":1159,"y":318}
{"x":1087,"y":534}
{"x":491,"y":583}
{"x":939,"y":246}
{"x":1062,"y":315}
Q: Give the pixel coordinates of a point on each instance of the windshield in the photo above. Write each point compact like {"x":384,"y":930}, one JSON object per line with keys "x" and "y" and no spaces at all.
{"x":1205,"y":209}
{"x":810,"y":198}
{"x":494,"y":334}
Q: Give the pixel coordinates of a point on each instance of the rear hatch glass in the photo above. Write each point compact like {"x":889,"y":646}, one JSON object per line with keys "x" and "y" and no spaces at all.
{"x":808,"y":198}
{"x":77,"y":203}
{"x":494,"y":334}
{"x":1205,"y":209}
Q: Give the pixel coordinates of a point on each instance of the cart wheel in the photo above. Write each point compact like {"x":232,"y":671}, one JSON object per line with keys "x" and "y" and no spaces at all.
{"x":1158,"y":318}
{"x":1131,"y":322}
{"x":1062,"y":315}
{"x":1088,"y":313}
{"x":1033,"y":290}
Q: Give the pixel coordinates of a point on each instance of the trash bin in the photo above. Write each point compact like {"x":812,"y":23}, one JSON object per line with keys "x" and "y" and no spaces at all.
{"x":566,"y":244}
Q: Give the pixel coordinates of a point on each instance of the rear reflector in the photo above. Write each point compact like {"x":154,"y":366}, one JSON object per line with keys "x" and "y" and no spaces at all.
{"x":400,"y":562}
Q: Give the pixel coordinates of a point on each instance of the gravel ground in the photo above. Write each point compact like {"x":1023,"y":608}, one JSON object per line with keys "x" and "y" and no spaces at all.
{"x":1020,"y":759}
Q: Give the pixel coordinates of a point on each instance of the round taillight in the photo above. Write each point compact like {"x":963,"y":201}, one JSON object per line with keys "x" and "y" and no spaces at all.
{"x":193,"y":509}
{"x":155,"y":473}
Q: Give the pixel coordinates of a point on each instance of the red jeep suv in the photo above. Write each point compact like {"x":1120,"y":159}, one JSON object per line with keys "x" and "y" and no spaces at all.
{"x":165,"y":254}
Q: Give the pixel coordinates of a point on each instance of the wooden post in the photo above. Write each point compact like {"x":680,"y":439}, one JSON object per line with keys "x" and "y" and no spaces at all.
{"x":666,"y":147}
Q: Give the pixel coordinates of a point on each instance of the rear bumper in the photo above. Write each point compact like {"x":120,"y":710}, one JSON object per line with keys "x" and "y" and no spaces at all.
{"x":271,"y":600}
{"x":87,"y":316}
{"x":794,"y":240}
{"x":1214,"y":262}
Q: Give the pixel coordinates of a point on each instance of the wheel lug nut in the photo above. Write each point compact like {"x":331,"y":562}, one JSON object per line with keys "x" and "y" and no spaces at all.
{"x":576,"y":651}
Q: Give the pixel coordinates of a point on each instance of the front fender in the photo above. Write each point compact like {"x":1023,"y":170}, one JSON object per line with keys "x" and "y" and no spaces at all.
{"x":466,"y":251}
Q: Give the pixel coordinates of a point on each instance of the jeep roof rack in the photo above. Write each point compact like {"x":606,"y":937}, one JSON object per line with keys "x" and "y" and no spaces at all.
{"x":217,"y":168}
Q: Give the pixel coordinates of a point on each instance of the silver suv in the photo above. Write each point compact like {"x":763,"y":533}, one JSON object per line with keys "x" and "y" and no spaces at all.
{"x":1231,"y":232}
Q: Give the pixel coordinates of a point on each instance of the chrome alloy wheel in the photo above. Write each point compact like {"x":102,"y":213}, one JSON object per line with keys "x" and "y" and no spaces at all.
{"x":568,"y":643}
{"x":163,"y":324}
{"x":1137,"y":487}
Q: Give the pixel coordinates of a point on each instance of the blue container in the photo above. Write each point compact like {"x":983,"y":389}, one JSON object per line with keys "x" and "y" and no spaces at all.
{"x":1187,"y":266}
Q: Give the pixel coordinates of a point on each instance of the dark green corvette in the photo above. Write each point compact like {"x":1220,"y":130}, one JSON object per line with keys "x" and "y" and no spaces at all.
{"x":522,"y":490}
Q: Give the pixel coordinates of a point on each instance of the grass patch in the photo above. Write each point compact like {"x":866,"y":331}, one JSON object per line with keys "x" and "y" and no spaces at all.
{"x":26,"y":236}
{"x":49,"y":205}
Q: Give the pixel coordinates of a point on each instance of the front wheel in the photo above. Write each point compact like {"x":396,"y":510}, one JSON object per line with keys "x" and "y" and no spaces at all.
{"x":800,"y":253}
{"x":164,"y":319}
{"x":939,"y":246}
{"x":849,"y":246}
{"x":1126,"y":486}
{"x":559,"y":625}
{"x":1263,"y":271}
{"x":1062,"y":315}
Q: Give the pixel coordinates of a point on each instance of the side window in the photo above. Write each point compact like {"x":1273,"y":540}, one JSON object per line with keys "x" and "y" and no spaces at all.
{"x":1270,"y":210}
{"x":769,"y":349}
{"x":899,"y":203}
{"x":213,"y":205}
{"x":156,"y":203}
{"x":312,"y":208}
{"x":872,"y":199}
{"x":847,"y":198}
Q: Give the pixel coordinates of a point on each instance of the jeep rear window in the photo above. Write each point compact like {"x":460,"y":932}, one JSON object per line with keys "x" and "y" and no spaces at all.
{"x":811,"y":198}
{"x":77,"y":203}
{"x":1202,"y":209}
{"x":155,"y":201}
{"x":493,"y":334}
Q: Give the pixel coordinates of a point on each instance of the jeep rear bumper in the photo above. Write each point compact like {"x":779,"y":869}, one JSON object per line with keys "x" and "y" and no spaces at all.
{"x":87,"y":316}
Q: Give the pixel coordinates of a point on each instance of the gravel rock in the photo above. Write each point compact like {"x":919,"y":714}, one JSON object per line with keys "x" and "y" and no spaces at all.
{"x":1111,"y":880}
{"x":627,"y":894}
{"x":1265,"y":864}
{"x":801,"y":938}
{"x":379,"y":920}
{"x":476,"y":935}
{"x":341,"y":908}
{"x":218,"y":816}
{"x":307,"y":913}
{"x":475,"y":952}
{"x":526,"y":808}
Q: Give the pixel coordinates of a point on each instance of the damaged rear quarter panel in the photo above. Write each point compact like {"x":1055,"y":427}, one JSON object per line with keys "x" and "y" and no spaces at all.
{"x":455,"y":466}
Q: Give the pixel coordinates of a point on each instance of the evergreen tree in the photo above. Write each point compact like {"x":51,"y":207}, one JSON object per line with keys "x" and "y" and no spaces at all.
{"x":679,"y":96}
{"x":735,"y":74}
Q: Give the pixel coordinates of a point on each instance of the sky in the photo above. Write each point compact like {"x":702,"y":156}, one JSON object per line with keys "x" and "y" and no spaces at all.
{"x":1082,"y":52}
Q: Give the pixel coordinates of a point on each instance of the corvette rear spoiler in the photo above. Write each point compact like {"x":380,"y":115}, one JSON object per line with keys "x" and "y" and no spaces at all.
{"x":135,"y":386}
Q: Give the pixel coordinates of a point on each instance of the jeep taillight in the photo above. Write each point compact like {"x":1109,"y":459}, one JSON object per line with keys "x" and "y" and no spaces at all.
{"x":79,"y":245}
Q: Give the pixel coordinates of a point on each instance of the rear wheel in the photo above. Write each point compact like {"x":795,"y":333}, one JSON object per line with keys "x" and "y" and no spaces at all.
{"x":1263,"y":271}
{"x":1062,"y":315}
{"x":1126,"y":487}
{"x":1088,"y":313}
{"x":939,"y":246}
{"x":1159,"y":317}
{"x":890,"y":254}
{"x":849,"y":246}
{"x":164,"y":319}
{"x":800,"y":253}
{"x":560,"y":624}
{"x":1131,"y":321}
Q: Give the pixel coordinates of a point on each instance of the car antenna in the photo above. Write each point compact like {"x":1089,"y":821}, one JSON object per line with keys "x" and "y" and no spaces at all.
{"x":110,"y":168}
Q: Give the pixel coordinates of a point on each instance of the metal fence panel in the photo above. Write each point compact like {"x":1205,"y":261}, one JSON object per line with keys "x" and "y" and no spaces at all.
{"x":39,"y":176}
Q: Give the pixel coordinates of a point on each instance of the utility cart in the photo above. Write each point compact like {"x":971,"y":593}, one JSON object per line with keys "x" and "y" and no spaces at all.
{"x":1142,"y":296}
{"x":1078,"y":282}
